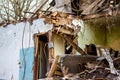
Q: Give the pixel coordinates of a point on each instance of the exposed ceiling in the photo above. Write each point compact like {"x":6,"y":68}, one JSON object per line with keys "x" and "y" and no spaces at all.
{"x":84,"y":9}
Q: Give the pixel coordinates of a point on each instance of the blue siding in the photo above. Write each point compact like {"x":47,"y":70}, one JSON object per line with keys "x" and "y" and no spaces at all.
{"x":29,"y":57}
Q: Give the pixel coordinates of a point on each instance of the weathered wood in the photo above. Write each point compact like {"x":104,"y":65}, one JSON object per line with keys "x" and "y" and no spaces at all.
{"x":62,"y":30}
{"x":40,"y":56}
{"x":51,"y":50}
{"x":58,"y":73}
{"x":36,"y":45}
{"x":53,"y":67}
{"x":75,"y":46}
{"x":47,"y":79}
{"x":35,"y":67}
{"x":91,"y":7}
{"x":98,"y":15}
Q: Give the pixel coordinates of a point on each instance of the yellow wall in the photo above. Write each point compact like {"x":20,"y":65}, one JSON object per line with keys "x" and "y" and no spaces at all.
{"x":92,"y":33}
{"x":102,"y":31}
{"x":59,"y":47}
{"x":113,"y":37}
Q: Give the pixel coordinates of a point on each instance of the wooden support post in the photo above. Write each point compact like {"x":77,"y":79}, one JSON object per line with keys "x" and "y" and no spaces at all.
{"x":53,"y":67}
{"x":51,"y":50}
{"x":75,"y":46}
{"x":35,"y":67}
{"x":36,"y":45}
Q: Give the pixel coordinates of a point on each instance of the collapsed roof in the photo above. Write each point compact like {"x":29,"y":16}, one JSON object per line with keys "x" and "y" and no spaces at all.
{"x":83,"y":9}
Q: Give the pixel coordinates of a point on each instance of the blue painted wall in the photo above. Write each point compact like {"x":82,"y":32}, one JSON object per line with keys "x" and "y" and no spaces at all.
{"x":29,"y":57}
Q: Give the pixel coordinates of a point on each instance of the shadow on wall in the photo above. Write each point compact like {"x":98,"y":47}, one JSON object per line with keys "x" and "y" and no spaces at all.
{"x":115,"y":44}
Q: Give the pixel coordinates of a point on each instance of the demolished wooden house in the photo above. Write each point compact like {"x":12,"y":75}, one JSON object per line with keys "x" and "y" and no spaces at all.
{"x":62,"y":39}
{"x":63,"y":36}
{"x":57,"y":54}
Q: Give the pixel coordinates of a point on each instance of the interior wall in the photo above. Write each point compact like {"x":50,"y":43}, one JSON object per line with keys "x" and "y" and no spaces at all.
{"x":102,"y":31}
{"x":92,"y":33}
{"x":59,"y":45}
{"x":113,"y":34}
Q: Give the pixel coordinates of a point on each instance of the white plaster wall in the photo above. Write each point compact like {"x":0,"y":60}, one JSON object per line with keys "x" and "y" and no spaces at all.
{"x":11,"y":43}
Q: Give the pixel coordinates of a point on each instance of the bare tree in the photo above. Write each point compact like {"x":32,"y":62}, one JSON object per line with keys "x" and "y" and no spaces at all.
{"x":16,"y":9}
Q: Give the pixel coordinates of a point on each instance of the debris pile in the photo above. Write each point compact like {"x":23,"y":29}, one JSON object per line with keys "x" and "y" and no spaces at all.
{"x":94,"y":63}
{"x":62,"y":22}
{"x":86,"y":67}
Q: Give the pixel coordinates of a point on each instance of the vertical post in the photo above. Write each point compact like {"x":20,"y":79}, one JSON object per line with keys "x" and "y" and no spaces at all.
{"x":36,"y":39}
{"x":50,"y":45}
{"x":53,"y":67}
{"x":50,"y":50}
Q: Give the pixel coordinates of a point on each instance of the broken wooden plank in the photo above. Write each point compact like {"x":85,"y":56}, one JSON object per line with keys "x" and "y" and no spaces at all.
{"x":53,"y":67}
{"x":91,"y":7}
{"x":75,"y":46}
{"x":62,"y":30}
{"x":47,"y":79}
{"x":98,"y":15}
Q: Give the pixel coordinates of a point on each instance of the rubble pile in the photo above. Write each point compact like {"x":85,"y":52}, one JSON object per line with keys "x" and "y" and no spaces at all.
{"x":89,"y":67}
{"x":93,"y":63}
{"x":63,"y":23}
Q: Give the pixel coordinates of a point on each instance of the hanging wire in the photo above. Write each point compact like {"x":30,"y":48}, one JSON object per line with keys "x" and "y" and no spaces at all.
{"x":29,"y":37}
{"x":24,"y":52}
{"x":24,"y":55}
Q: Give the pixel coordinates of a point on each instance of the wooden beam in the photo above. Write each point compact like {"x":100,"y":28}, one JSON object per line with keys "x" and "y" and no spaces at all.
{"x":35,"y":67}
{"x":53,"y":67}
{"x":65,"y":31}
{"x":75,"y":46}
{"x":98,"y":15}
